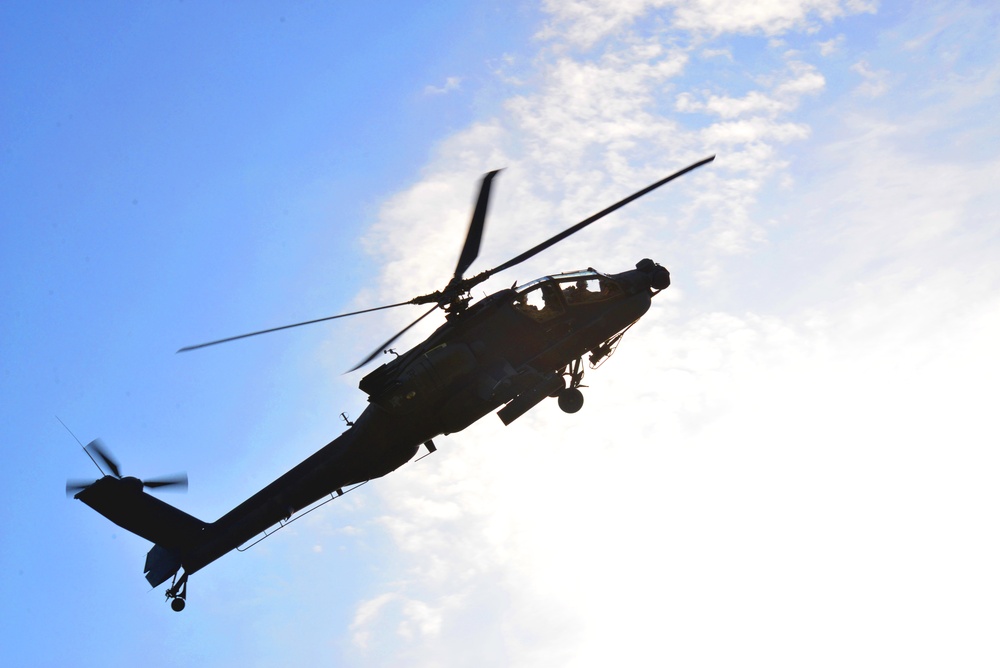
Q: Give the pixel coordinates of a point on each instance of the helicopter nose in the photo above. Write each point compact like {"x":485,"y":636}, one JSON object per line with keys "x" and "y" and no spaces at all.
{"x":659,"y":277}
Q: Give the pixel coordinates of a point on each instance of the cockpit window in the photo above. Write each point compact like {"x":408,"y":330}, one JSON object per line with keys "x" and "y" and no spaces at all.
{"x":583,"y":290}
{"x":541,"y":302}
{"x":549,"y":296}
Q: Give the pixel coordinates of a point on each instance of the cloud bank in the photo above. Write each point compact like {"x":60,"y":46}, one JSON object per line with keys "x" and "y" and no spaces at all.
{"x":786,"y":460}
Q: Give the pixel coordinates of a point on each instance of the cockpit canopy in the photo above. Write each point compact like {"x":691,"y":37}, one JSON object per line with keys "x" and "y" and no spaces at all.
{"x":549,"y":296}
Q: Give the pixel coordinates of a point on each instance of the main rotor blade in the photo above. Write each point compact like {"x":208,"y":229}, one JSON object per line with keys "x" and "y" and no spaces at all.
{"x":475,"y":235}
{"x":97,"y":450}
{"x":385,"y":345}
{"x":298,"y":324}
{"x":179,"y":480}
{"x":583,"y":223}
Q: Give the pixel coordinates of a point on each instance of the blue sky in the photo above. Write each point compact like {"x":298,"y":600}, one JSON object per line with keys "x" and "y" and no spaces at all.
{"x":790,"y":460}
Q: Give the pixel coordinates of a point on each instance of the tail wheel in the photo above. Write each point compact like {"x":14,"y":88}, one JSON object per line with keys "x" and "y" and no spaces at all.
{"x":177,"y":593}
{"x":570,"y":400}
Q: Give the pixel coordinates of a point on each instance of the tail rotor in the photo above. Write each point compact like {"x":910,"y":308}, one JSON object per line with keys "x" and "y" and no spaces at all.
{"x":110,"y":468}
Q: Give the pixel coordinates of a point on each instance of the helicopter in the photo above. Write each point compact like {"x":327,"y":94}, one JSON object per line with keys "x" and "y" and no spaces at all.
{"x":507,"y":353}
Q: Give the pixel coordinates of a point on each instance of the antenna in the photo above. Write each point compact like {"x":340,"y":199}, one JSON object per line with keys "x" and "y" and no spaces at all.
{"x":82,"y":446}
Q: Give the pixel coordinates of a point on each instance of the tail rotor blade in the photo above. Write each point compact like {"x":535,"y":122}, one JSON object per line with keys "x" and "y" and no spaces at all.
{"x":99,"y":452}
{"x":179,"y":481}
{"x":74,"y":487}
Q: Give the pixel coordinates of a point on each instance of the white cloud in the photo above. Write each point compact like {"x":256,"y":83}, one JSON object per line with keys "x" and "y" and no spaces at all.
{"x":806,"y":80}
{"x":768,"y":18}
{"x":717,"y":53}
{"x":790,"y":466}
{"x":574,"y":148}
{"x":366,"y":613}
{"x":783,"y":96}
{"x":874,"y":83}
{"x":450,"y":84}
{"x":831,"y":46}
{"x":585,"y":22}
{"x":751,"y":130}
{"x":728,"y":107}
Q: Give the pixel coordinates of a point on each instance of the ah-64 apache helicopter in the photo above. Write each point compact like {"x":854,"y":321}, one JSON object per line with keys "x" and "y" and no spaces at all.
{"x":508,"y":351}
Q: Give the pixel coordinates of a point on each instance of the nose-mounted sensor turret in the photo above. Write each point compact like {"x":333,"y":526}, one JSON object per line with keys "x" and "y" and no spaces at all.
{"x":659,"y":277}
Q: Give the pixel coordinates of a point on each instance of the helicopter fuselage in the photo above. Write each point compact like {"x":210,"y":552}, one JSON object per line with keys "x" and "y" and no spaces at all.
{"x":512,"y":348}
{"x":506,"y":353}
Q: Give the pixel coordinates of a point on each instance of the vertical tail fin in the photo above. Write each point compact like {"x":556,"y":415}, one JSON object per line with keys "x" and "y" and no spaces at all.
{"x":161,"y":564}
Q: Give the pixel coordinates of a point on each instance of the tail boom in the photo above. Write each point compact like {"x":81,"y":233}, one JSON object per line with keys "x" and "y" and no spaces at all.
{"x":174,"y":532}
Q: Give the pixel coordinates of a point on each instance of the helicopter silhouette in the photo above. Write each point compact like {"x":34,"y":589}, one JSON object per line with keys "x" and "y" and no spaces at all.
{"x":507,"y":353}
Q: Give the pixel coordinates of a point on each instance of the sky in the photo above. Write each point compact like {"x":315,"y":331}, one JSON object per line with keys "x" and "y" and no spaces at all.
{"x":790,"y":460}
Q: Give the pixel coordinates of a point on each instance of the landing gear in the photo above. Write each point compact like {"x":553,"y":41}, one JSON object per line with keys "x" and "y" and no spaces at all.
{"x":571,"y":398}
{"x":177,"y":593}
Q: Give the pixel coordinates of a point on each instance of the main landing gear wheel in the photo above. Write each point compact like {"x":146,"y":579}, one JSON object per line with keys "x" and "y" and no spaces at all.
{"x":570,"y":400}
{"x":178,"y":593}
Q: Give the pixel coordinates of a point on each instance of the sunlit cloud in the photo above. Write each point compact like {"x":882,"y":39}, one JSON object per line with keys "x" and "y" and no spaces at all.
{"x":874,"y":82}
{"x":831,"y":46}
{"x":584,"y":22}
{"x":753,"y":460}
{"x":450,"y":84}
